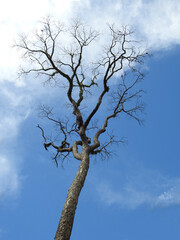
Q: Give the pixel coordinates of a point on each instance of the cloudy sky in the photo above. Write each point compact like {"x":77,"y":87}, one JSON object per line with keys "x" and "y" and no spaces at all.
{"x":133,"y":196}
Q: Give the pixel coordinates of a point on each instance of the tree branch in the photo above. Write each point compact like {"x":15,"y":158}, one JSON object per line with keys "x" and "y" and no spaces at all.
{"x":50,"y":60}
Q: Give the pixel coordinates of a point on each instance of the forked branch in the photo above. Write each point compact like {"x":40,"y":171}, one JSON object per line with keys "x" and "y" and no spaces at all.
{"x":120,"y":60}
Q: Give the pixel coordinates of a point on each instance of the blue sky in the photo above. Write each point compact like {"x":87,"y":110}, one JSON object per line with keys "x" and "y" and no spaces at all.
{"x":135,"y":195}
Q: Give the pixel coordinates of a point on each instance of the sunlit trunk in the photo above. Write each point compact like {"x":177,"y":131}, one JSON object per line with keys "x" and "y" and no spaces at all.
{"x":68,"y":212}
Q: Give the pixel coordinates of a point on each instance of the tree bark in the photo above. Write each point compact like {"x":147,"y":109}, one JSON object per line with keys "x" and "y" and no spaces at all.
{"x":67,"y":216}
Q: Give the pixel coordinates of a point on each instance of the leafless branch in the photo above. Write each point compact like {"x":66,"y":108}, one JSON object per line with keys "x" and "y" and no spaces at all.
{"x":116,"y":73}
{"x":120,"y":60}
{"x":104,"y":150}
{"x":63,"y":148}
{"x":117,"y":55}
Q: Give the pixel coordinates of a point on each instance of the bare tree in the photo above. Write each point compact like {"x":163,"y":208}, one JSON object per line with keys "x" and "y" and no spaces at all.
{"x":115,"y":73}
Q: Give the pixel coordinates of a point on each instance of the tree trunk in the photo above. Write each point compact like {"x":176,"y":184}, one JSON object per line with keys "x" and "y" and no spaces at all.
{"x":68,"y":212}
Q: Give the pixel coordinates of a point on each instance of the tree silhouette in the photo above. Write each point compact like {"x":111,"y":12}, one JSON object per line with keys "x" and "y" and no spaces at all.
{"x":116,"y":72}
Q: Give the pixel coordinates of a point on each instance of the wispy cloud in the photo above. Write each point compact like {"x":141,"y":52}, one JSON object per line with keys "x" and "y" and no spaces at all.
{"x":14,"y":110}
{"x":171,"y":196}
{"x":156,"y":22}
{"x":150,"y":189}
{"x":17,"y":103}
{"x":14,"y":106}
{"x":9,"y":178}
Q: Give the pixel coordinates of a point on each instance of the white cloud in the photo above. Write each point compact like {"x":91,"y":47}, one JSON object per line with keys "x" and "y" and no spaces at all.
{"x":127,"y":198}
{"x":171,"y":196}
{"x":9,"y":178}
{"x":15,"y":108}
{"x":155,"y":21}
{"x":159,"y":22}
{"x":23,"y":17}
{"x":148,"y":189}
